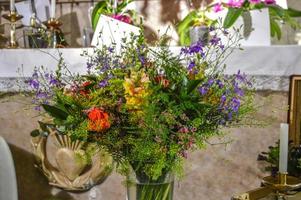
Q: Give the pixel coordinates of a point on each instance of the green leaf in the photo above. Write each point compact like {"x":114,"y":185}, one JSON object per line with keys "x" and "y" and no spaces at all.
{"x":192,"y":84}
{"x":277,"y":10}
{"x":185,"y":38}
{"x":55,"y":112}
{"x":35,"y":133}
{"x":100,"y":8}
{"x":187,"y":22}
{"x":232,"y":16}
{"x":275,"y":29}
{"x":293,"y":13}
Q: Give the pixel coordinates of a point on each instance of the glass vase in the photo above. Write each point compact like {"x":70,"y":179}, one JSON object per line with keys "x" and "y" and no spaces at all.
{"x":140,"y":187}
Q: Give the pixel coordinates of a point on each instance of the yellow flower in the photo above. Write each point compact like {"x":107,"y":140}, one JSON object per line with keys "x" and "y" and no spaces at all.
{"x":136,"y":90}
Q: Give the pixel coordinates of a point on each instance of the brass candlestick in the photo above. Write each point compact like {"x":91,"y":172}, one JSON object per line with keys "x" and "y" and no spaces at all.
{"x":282,"y":184}
{"x":12,"y":17}
{"x":53,"y":26}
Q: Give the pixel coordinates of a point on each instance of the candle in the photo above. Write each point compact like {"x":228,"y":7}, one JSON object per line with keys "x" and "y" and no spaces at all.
{"x":12,"y":5}
{"x":283,"y":148}
{"x":52,"y":13}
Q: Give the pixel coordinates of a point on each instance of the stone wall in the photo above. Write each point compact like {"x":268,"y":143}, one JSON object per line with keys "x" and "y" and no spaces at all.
{"x":215,"y":173}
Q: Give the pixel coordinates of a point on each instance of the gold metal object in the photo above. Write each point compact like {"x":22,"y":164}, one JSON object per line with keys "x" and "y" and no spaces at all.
{"x":53,"y":26}
{"x":12,"y":17}
{"x":71,"y":172}
{"x":255,"y":194}
{"x":282,"y":183}
{"x":295,"y":109}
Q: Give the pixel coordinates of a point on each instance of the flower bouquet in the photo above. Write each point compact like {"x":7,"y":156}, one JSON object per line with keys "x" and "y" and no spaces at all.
{"x":148,"y":107}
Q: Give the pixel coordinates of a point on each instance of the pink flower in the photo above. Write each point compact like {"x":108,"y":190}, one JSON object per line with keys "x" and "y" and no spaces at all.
{"x":235,"y":3}
{"x":217,"y":7}
{"x":270,"y":2}
{"x":123,"y":18}
{"x":255,"y":1}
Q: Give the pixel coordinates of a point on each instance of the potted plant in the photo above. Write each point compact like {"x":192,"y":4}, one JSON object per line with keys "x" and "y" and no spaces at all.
{"x":195,"y":26}
{"x":115,"y":9}
{"x":147,"y":107}
{"x":275,"y":16}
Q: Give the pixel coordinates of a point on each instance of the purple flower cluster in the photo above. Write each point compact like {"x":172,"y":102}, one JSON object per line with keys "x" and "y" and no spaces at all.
{"x":42,"y":83}
{"x":103,"y":83}
{"x":102,"y":62}
{"x":203,"y":90}
{"x":216,"y":41}
{"x":196,"y":48}
{"x":230,"y":102}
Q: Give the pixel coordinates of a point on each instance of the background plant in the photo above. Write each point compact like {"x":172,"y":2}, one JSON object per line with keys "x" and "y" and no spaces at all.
{"x":271,"y":157}
{"x":119,"y":12}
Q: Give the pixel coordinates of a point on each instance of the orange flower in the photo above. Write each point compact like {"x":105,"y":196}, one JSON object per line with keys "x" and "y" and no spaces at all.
{"x":98,"y":120}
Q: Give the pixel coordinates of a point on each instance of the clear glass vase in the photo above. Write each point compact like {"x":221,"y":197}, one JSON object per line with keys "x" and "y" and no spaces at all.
{"x":140,"y":187}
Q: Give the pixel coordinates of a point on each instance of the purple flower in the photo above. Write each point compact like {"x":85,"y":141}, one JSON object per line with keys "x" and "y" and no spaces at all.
{"x":255,"y":1}
{"x":191,"y":65}
{"x":35,"y":74}
{"x":220,"y":84}
{"x":203,"y":90}
{"x":241,"y":77}
{"x":111,"y":49}
{"x":142,"y":59}
{"x":89,"y":65}
{"x":270,"y":2}
{"x":210,"y":82}
{"x":223,"y":99}
{"x":53,"y":81}
{"x":34,"y":83}
{"x":235,"y":3}
{"x":215,"y":40}
{"x":225,"y":32}
{"x":103,"y":83}
{"x":235,"y":104}
{"x":217,"y":7}
{"x":193,"y":49}
{"x":37,"y":108}
{"x":230,"y":116}
{"x":41,"y":95}
{"x":211,"y":28}
{"x":238,"y":90}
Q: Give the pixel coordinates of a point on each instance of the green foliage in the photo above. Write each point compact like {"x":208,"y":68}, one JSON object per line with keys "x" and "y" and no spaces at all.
{"x":232,"y":16}
{"x":278,"y":16}
{"x":55,"y":112}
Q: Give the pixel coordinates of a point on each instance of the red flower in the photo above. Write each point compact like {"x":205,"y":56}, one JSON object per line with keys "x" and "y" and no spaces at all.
{"x":83,"y":90}
{"x":98,"y":120}
{"x":162,"y":80}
